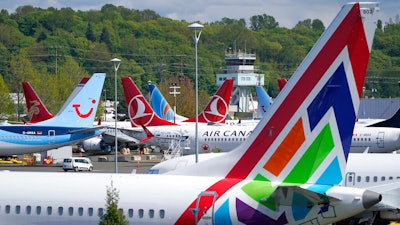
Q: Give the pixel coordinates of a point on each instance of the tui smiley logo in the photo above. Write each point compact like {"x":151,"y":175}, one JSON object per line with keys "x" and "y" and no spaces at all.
{"x":83,"y":115}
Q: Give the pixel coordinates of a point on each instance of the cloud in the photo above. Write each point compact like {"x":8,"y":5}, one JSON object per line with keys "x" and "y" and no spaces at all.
{"x":286,"y":12}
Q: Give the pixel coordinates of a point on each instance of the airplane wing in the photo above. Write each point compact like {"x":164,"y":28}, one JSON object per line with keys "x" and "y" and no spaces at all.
{"x":86,"y":130}
{"x":109,"y":136}
{"x":285,"y":195}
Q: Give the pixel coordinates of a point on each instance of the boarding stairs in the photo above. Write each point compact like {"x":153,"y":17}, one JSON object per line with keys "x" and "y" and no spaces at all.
{"x":175,"y":148}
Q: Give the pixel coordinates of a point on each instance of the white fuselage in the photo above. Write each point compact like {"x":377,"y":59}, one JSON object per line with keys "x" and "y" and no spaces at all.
{"x":375,"y":139}
{"x":224,"y":138}
{"x":70,"y":198}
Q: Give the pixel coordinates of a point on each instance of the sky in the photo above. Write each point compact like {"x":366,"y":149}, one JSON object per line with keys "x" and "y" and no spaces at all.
{"x":286,"y":12}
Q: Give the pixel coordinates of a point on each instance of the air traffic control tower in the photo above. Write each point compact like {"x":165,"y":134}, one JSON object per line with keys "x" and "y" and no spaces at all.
{"x":240,"y":68}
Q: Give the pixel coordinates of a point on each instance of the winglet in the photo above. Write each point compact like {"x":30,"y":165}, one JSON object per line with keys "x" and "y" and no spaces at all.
{"x":148,"y":133}
{"x":217,"y":109}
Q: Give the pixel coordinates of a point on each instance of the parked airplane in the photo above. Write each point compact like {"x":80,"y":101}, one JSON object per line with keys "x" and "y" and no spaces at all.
{"x":99,"y":144}
{"x":287,"y":172}
{"x":381,"y":178}
{"x":72,"y":124}
{"x":211,"y":137}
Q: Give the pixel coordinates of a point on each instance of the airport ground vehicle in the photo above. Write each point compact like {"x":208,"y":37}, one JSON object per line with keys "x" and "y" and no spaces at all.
{"x":77,"y":164}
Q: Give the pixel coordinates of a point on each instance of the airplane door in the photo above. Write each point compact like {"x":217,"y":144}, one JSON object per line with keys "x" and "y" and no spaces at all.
{"x":52,"y":136}
{"x":204,"y":211}
{"x":350,"y":179}
{"x":380,"y":140}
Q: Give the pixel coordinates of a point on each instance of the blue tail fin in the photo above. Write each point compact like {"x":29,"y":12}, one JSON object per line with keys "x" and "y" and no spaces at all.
{"x":264,"y":101}
{"x":80,"y":108}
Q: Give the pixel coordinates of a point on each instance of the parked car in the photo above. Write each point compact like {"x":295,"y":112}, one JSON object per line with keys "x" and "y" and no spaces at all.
{"x":77,"y":164}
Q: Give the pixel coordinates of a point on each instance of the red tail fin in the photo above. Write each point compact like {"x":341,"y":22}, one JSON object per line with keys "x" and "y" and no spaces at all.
{"x":281,"y":83}
{"x":139,"y":110}
{"x":36,"y":110}
{"x":218,"y":107}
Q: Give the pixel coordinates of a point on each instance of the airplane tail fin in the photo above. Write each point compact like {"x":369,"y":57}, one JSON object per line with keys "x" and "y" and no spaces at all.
{"x":80,"y":108}
{"x":305,"y":137}
{"x":393,"y":121}
{"x":37,"y":111}
{"x":264,"y":101}
{"x":217,"y":109}
{"x":281,"y":83}
{"x":161,"y":106}
{"x":139,"y":110}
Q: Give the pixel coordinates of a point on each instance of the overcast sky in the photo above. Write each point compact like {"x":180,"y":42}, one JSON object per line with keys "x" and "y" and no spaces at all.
{"x":286,"y":12}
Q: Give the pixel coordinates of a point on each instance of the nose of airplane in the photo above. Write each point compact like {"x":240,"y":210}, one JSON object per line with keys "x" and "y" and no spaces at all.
{"x":370,"y":198}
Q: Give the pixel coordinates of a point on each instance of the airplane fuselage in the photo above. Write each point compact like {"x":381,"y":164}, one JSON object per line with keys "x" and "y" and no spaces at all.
{"x":375,"y":139}
{"x":16,"y":139}
{"x":67,"y":198}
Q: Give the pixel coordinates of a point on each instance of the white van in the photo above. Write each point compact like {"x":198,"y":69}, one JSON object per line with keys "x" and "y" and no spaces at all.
{"x":77,"y":164}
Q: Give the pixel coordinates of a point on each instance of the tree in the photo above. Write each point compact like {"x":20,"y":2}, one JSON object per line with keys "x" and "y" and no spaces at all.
{"x":89,"y":33}
{"x":112,"y":216}
{"x":7,"y":105}
{"x":259,"y":22}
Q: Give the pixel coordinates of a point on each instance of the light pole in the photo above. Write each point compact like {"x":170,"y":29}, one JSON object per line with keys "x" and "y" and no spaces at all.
{"x":174,"y":92}
{"x":196,"y":29}
{"x":116,"y":63}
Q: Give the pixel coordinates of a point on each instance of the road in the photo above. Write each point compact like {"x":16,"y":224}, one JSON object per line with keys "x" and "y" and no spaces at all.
{"x":127,"y":166}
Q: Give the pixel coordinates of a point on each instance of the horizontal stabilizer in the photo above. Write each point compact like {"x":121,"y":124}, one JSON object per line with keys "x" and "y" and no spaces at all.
{"x":296,"y":196}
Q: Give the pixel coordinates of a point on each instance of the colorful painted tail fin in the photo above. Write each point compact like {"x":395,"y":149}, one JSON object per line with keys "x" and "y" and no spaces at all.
{"x":217,"y":109}
{"x":161,"y":106}
{"x":37,"y":112}
{"x":139,"y":110}
{"x":80,"y":108}
{"x":305,"y":136}
{"x":264,"y":101}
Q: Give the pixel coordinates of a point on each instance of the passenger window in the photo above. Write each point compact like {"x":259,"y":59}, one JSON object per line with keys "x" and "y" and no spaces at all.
{"x":130,"y":213}
{"x":162,"y":213}
{"x":367,"y":179}
{"x":60,"y":211}
{"x":358,"y":179}
{"x":90,"y":211}
{"x":80,"y":211}
{"x":350,"y":179}
{"x":8,"y":209}
{"x":17,"y":209}
{"x":28,"y":210}
{"x":390,"y":178}
{"x":151,"y":213}
{"x":49,"y":210}
{"x":38,"y":210}
{"x":71,"y":211}
{"x":375,"y":178}
{"x":121,"y":211}
{"x":141,"y":212}
{"x":100,"y":211}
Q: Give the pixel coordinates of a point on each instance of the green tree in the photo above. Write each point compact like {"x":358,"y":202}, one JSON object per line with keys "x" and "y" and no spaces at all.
{"x":112,"y":216}
{"x":89,"y":33}
{"x":7,"y":105}
{"x":263,"y":21}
